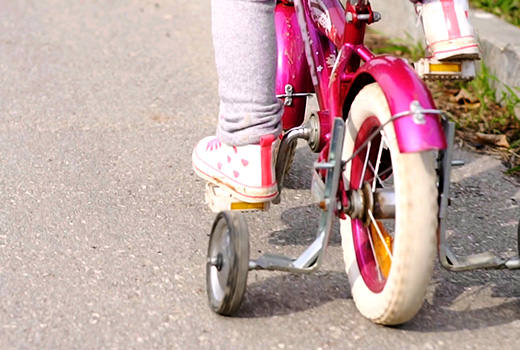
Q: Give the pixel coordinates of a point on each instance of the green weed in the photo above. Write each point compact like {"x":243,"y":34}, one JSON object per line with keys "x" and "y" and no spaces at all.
{"x":483,"y":87}
{"x":403,"y":47}
{"x":509,"y":10}
{"x":513,"y":170}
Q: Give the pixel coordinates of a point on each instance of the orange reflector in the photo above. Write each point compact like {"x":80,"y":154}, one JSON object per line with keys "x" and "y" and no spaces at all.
{"x":383,"y":259}
{"x":446,"y":67}
{"x":247,"y":206}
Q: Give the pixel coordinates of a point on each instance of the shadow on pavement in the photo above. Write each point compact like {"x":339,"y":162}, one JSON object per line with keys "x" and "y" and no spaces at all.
{"x":302,"y":224}
{"x":300,"y":173}
{"x":289,"y":293}
{"x":470,"y":302}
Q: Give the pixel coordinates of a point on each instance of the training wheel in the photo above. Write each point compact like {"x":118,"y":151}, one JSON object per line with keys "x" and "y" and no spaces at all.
{"x":228,"y":263}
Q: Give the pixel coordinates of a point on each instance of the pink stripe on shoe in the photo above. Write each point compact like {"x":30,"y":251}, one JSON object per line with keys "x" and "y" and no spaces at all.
{"x":448,"y":7}
{"x":457,"y":49}
{"x":265,"y":160}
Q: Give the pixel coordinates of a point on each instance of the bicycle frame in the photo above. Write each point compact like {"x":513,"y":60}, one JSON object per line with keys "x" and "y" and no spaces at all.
{"x":330,"y":42}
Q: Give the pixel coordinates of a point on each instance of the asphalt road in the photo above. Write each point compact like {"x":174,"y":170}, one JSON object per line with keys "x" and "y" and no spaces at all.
{"x":103,"y":229}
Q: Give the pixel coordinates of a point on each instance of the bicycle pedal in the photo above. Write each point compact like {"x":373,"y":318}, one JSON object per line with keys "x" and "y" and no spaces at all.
{"x":218,"y":199}
{"x":429,"y":69}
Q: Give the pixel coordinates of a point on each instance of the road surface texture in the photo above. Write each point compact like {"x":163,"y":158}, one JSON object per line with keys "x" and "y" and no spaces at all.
{"x":103,"y":229}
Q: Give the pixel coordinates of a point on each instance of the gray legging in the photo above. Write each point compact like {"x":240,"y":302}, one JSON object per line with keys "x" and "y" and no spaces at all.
{"x":245,"y":54}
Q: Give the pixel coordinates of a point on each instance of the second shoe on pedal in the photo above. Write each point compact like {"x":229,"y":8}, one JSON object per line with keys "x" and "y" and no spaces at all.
{"x":449,"y":34}
{"x":247,"y":172}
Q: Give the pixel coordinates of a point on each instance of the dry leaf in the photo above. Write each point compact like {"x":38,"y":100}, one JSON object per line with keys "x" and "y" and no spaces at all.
{"x":465,"y":97}
{"x":475,"y":105}
{"x":497,"y":140}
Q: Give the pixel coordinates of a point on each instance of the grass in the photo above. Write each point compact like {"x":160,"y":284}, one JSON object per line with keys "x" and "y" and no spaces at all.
{"x":399,"y":47}
{"x":513,"y":170}
{"x":509,"y":10}
{"x":484,"y":89}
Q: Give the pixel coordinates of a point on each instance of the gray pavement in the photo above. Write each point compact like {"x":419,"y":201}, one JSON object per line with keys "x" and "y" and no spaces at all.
{"x":102,"y":222}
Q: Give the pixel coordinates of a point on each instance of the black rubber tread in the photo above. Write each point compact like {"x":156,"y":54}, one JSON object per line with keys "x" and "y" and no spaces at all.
{"x":237,"y":280}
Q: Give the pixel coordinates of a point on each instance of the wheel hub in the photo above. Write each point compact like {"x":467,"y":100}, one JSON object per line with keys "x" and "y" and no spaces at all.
{"x":381,"y":203}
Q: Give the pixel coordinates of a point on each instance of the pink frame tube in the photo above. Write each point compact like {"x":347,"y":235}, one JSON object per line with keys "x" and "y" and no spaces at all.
{"x":291,"y":65}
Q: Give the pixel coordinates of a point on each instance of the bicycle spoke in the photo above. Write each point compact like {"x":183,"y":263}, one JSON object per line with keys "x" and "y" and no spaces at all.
{"x":380,"y":234}
{"x":375,"y":178}
{"x":367,"y":156}
{"x":384,"y":172}
{"x":379,"y":275}
{"x":378,"y":162}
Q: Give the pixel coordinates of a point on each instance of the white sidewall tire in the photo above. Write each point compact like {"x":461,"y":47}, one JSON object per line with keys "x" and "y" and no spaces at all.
{"x":415,"y":241}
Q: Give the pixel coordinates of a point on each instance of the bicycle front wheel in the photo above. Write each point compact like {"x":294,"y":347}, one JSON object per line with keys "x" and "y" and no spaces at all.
{"x":388,"y":261}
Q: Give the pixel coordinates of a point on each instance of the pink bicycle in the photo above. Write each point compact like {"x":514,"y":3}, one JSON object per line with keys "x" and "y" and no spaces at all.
{"x":383,"y":169}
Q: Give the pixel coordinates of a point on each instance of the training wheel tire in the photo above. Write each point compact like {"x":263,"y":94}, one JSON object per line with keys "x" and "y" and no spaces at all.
{"x":228,"y":263}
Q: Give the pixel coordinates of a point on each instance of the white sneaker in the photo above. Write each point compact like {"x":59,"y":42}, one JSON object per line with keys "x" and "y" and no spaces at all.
{"x":247,"y":172}
{"x":449,"y":35}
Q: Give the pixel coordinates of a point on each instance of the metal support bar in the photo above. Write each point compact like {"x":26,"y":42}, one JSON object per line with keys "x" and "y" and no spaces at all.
{"x":311,"y":258}
{"x":447,"y":258}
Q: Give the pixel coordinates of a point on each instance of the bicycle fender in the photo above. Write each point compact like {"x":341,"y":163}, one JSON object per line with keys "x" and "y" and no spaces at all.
{"x":401,"y":86}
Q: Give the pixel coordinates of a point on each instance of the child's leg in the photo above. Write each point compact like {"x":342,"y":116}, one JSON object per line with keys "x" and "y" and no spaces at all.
{"x":245,"y":53}
{"x":241,"y":158}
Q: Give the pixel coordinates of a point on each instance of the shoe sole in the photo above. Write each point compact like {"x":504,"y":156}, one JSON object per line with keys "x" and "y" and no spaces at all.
{"x":464,"y":48}
{"x":461,"y":57}
{"x":239,"y":191}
